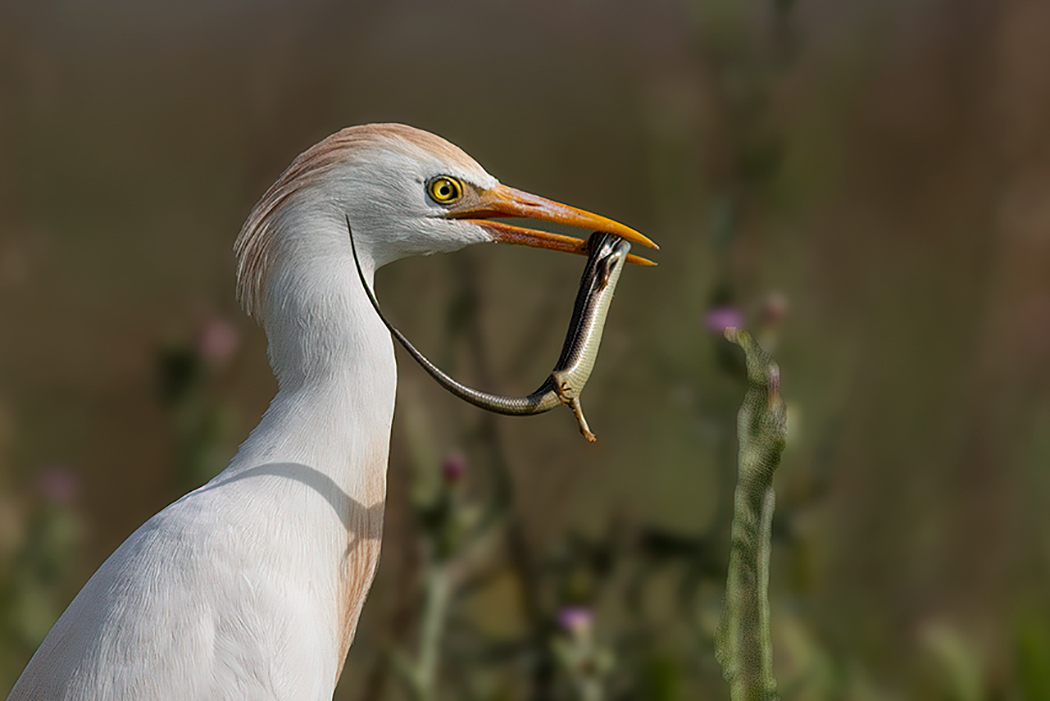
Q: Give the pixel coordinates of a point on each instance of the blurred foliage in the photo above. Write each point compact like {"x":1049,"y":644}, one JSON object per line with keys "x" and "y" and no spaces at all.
{"x":40,"y":537}
{"x":864,"y":184}
{"x":202,"y":423}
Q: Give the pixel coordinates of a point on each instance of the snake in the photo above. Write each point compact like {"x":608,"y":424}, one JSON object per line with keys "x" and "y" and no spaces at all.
{"x":607,"y":254}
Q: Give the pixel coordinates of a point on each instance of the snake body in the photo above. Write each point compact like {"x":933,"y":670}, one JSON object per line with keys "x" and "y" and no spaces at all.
{"x":565,"y":383}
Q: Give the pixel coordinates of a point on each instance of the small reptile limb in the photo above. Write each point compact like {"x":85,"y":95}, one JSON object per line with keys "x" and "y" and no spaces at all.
{"x":570,"y":398}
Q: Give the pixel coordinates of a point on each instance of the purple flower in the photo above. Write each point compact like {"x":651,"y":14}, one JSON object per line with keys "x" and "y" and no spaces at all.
{"x":718,"y":319}
{"x":575,"y":619}
{"x":453,"y":467}
{"x":59,"y":485}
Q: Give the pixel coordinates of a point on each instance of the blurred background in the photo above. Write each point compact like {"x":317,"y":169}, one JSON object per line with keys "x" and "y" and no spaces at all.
{"x":864,"y":184}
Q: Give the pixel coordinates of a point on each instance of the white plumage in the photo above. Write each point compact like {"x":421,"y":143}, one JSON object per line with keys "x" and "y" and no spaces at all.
{"x":251,"y":586}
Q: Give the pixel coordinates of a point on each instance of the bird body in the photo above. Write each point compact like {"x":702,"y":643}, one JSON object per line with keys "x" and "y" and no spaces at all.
{"x":251,"y":586}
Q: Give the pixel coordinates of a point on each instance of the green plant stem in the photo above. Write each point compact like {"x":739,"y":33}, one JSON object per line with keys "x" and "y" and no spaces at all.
{"x":421,"y":675}
{"x":743,"y":644}
{"x":438,"y":593}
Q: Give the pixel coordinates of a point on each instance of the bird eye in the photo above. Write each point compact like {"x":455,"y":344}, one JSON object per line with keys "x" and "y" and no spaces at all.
{"x":444,"y":190}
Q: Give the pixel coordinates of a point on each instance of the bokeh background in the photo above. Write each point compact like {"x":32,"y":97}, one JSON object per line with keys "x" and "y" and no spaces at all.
{"x":865,"y":184}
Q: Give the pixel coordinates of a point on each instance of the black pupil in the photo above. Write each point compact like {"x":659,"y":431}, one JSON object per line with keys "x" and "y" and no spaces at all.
{"x":445,"y":190}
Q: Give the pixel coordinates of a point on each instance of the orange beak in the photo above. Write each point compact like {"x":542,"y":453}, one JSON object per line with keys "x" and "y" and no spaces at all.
{"x":503,"y":201}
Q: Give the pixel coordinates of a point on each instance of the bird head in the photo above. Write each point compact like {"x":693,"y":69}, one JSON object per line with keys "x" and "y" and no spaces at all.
{"x":405,"y":192}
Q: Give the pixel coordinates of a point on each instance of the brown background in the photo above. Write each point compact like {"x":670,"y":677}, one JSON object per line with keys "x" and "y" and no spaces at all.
{"x":884,"y":166}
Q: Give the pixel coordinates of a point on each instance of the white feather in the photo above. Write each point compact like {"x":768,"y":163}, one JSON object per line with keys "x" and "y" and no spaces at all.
{"x":251,"y":586}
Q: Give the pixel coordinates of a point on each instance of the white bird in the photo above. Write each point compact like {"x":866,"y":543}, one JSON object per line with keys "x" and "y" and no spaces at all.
{"x":251,"y":586}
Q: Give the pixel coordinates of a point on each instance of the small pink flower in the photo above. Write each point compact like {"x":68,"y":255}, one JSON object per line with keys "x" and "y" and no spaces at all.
{"x":59,"y":485}
{"x":217,"y":340}
{"x":576,"y":619}
{"x":718,"y":319}
{"x":453,"y":467}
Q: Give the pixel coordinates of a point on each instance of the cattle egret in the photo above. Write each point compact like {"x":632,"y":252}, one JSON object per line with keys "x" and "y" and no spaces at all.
{"x":251,"y":586}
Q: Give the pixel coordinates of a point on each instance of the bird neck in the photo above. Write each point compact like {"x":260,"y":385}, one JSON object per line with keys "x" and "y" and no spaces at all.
{"x":336,"y":373}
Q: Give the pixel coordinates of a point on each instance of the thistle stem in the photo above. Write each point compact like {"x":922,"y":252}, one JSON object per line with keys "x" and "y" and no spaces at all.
{"x":743,"y":643}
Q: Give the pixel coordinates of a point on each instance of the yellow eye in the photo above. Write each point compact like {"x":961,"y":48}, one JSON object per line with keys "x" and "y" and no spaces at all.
{"x":444,"y":190}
